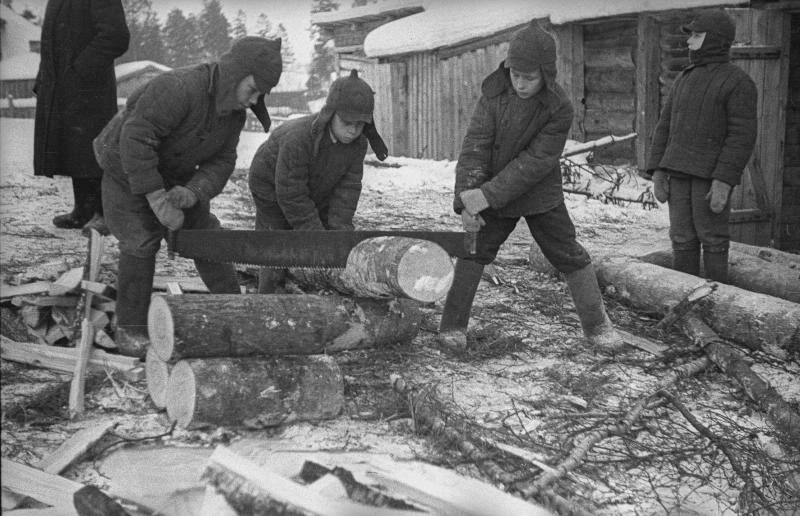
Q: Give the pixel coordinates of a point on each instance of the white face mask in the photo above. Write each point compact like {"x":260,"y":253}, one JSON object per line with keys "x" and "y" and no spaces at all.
{"x":695,"y":40}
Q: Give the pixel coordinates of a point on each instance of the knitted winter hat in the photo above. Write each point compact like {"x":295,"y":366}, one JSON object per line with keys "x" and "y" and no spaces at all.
{"x":530,"y":48}
{"x":259,"y":57}
{"x":351,"y":98}
{"x":715,"y":21}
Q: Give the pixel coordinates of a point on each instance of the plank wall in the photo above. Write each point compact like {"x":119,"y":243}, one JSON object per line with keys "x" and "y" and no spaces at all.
{"x":790,"y":212}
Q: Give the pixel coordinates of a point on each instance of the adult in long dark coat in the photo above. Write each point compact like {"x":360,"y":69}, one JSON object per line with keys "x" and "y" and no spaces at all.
{"x":76,"y":93}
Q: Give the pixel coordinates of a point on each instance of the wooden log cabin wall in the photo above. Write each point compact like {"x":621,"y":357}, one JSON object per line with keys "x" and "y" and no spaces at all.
{"x":789,"y":224}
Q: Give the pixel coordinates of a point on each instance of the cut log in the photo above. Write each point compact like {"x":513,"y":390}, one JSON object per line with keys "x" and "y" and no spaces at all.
{"x":73,"y":448}
{"x":251,"y":489}
{"x":755,"y":320}
{"x":63,"y":359}
{"x":157,"y":373}
{"x":748,"y":272}
{"x":785,"y":419}
{"x":386,"y":267}
{"x":255,"y":393}
{"x":229,"y":325}
{"x":768,"y":254}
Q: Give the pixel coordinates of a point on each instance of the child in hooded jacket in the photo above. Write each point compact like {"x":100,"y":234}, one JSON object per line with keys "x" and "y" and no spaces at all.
{"x":165,"y":156}
{"x":307,"y":175}
{"x":509,"y":168}
{"x":701,"y":144}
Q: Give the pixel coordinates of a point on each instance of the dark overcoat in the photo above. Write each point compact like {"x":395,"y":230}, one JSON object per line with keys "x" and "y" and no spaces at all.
{"x":76,"y":87}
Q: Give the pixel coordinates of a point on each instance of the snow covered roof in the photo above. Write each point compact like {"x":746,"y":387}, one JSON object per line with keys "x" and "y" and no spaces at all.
{"x":125,"y":70}
{"x":367,"y":12}
{"x":452,"y":22}
{"x":17,"y":33}
{"x":19,"y":67}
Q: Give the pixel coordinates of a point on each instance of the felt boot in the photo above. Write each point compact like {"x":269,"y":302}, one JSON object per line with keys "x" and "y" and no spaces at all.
{"x":686,"y":260}
{"x":597,"y":327}
{"x":220,"y":278}
{"x":716,"y":265}
{"x":134,"y":287}
{"x":85,"y":192}
{"x":458,"y":305}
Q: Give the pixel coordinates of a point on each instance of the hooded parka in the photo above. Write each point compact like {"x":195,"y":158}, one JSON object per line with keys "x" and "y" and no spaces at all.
{"x":76,"y":86}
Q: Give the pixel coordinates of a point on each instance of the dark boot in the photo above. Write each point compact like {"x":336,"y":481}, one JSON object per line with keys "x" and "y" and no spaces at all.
{"x":220,"y":278}
{"x":686,"y":260}
{"x":597,"y":327}
{"x":134,"y":287}
{"x":85,"y":192}
{"x":458,"y":305}
{"x":271,"y":281}
{"x":716,"y":265}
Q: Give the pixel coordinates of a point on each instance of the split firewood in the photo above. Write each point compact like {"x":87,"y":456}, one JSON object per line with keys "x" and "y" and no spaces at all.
{"x":252,"y":489}
{"x":44,"y":487}
{"x":685,"y":305}
{"x":157,"y":373}
{"x":254,"y":393}
{"x":755,"y":320}
{"x":63,"y":359}
{"x":34,"y":316}
{"x":748,"y":272}
{"x":387,"y":267}
{"x":68,"y":282}
{"x":229,"y":325}
{"x":102,"y":339}
{"x":74,"y":448}
{"x":66,"y":301}
{"x":99,"y":289}
{"x":782,"y":415}
{"x":8,"y":292}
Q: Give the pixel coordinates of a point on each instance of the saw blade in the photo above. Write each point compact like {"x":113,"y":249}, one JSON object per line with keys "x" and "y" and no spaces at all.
{"x":286,"y":248}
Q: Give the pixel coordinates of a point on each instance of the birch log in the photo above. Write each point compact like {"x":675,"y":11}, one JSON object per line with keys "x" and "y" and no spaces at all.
{"x":157,"y":373}
{"x":230,"y":325}
{"x":254,"y":392}
{"x":385,"y":267}
{"x":755,"y":320}
{"x":749,"y":272}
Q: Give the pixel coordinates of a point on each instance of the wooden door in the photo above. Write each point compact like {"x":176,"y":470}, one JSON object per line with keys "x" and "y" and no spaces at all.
{"x":762,"y":50}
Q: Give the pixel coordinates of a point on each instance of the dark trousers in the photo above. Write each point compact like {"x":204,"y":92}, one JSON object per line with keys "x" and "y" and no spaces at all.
{"x":691,"y":221}
{"x":553,"y":231}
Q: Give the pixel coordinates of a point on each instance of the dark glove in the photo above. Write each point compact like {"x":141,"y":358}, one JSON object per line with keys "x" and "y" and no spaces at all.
{"x":471,"y":223}
{"x":661,"y":185}
{"x":376,"y":142}
{"x":181,"y":197}
{"x":718,"y":195}
{"x":167,"y":213}
{"x":474,"y":201}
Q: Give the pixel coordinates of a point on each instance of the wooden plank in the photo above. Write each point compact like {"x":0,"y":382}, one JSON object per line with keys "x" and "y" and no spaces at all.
{"x":74,"y":448}
{"x":37,"y":287}
{"x":44,"y":487}
{"x":62,"y":359}
{"x":68,"y":282}
{"x":648,"y":69}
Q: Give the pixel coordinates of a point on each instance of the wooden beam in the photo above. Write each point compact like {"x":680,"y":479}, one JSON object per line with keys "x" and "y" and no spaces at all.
{"x":63,"y":359}
{"x":73,"y":448}
{"x":648,"y":95}
{"x":44,"y":487}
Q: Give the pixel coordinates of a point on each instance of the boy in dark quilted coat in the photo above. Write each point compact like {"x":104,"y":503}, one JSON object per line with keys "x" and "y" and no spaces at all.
{"x":701,"y":144}
{"x":307,"y":175}
{"x":509,"y":168}
{"x":165,"y":156}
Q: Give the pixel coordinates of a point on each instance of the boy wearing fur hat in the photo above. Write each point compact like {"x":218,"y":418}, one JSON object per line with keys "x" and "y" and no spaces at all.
{"x":701,"y":144}
{"x":509,"y":168}
{"x":165,"y":156}
{"x":307,"y":175}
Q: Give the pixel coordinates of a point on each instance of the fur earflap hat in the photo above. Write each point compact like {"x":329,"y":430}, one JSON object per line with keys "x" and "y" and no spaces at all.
{"x":715,"y":21}
{"x":530,"y":49}
{"x":352,"y":99}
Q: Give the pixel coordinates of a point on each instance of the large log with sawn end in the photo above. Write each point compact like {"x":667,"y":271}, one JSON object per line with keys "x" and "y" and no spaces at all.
{"x":387,"y":267}
{"x":748,"y":272}
{"x":755,"y":320}
{"x":254,"y":392}
{"x":231,"y":325}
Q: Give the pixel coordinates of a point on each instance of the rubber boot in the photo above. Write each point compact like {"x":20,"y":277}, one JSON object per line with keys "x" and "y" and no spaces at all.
{"x":716,"y":265}
{"x":83,"y":191}
{"x":458,"y":305}
{"x":597,"y":327}
{"x":686,"y":260}
{"x":134,"y":287}
{"x":220,"y":278}
{"x":271,"y":281}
